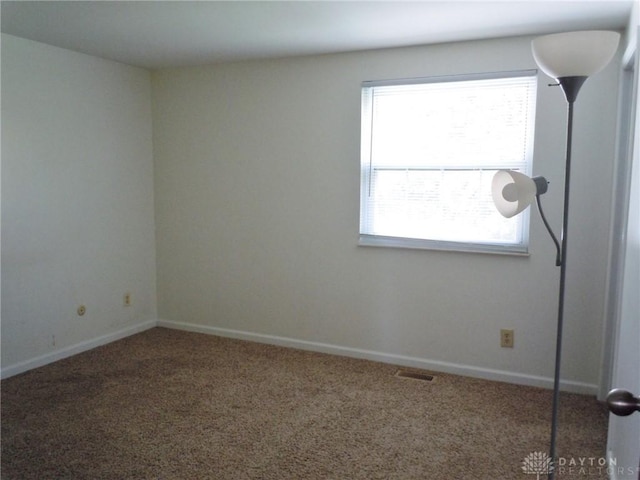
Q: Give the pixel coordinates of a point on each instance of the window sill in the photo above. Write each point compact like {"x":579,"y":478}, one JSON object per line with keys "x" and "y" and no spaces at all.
{"x":463,"y":247}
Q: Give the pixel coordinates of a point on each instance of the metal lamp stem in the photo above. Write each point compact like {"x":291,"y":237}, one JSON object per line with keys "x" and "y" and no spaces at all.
{"x":571,"y":95}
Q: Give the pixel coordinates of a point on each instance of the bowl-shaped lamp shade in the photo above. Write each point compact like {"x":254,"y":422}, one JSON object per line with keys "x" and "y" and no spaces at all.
{"x":575,"y":54}
{"x":512,"y":192}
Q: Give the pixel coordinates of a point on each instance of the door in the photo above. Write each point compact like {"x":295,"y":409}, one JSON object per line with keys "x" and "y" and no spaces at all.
{"x":623,"y":448}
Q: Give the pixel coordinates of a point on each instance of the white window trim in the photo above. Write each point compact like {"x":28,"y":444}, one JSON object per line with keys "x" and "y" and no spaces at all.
{"x":422,"y":244}
{"x":367,"y":240}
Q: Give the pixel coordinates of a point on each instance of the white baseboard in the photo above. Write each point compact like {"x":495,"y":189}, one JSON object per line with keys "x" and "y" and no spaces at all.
{"x":74,"y":349}
{"x":390,"y":358}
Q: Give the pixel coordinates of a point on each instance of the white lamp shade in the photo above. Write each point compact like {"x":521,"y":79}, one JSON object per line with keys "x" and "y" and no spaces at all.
{"x":512,"y":192}
{"x":575,"y":54}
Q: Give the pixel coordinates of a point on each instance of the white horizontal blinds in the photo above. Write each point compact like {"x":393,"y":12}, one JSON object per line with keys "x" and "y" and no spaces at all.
{"x":432,"y":152}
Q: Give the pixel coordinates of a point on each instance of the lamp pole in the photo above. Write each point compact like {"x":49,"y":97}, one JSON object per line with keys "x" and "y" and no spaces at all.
{"x":570,"y":87}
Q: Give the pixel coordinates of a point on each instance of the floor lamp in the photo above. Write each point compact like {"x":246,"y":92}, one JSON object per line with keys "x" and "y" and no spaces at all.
{"x":570,"y":58}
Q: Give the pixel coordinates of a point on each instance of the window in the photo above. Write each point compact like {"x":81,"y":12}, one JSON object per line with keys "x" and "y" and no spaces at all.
{"x":430,"y":148}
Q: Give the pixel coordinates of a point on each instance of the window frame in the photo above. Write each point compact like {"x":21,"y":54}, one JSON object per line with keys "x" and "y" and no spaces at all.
{"x":366,"y":169}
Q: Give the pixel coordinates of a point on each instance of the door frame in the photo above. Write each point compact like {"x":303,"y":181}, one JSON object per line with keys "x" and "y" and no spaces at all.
{"x":621,"y":323}
{"x":627,"y":106}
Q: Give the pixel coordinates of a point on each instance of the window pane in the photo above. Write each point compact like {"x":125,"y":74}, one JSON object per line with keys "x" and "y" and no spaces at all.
{"x":457,"y":125}
{"x":453,"y":205}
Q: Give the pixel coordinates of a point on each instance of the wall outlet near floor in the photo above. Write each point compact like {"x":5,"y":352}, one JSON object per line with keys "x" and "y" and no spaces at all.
{"x":127,"y":299}
{"x":506,"y":338}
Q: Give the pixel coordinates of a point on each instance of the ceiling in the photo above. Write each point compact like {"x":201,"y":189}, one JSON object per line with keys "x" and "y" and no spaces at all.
{"x":155,"y":34}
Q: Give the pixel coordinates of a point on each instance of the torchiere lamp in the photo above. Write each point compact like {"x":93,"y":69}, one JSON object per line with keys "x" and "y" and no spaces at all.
{"x":570,"y":58}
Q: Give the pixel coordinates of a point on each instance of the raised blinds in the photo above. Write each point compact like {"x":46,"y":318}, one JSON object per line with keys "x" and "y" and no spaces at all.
{"x":429,"y":151}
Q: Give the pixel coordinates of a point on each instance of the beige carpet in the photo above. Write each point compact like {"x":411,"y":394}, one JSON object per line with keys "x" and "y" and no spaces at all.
{"x":175,"y":405}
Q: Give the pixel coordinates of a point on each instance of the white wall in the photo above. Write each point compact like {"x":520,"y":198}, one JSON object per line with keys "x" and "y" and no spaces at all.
{"x":77,"y":202}
{"x":257,"y":197}
{"x":256,"y":208}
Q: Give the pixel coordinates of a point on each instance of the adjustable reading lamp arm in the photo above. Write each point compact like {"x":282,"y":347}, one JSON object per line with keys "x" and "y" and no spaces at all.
{"x":541,"y":187}
{"x":513,"y":191}
{"x":553,"y":237}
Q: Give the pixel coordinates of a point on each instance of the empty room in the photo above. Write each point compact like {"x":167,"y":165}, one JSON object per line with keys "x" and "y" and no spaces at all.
{"x":320,"y":240}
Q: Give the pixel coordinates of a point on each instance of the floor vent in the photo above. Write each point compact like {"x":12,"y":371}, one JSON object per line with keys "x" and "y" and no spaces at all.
{"x":415,"y":375}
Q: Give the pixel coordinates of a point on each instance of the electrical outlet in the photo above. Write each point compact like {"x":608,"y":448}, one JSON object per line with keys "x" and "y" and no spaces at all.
{"x":506,"y":338}
{"x":127,"y":299}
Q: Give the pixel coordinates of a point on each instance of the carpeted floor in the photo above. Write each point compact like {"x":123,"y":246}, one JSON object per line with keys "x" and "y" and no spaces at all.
{"x":167,"y":404}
